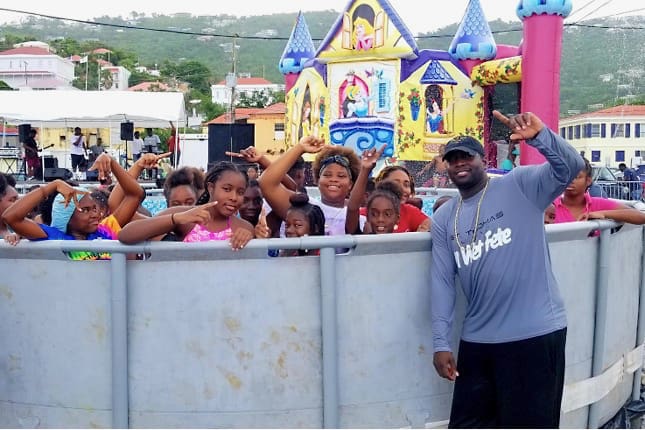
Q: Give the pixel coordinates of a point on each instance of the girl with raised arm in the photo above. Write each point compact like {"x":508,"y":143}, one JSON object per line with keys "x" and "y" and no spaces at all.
{"x":212,"y":219}
{"x":335,"y":169}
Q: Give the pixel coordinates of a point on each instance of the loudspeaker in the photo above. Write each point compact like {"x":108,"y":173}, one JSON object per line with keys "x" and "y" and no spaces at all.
{"x":23,"y":132}
{"x":54,"y":173}
{"x":127,"y":131}
{"x":92,"y":175}
{"x":49,"y":161}
{"x":227,"y":137}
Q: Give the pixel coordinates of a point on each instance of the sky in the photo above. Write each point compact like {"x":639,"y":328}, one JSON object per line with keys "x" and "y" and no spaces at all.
{"x":418,"y":19}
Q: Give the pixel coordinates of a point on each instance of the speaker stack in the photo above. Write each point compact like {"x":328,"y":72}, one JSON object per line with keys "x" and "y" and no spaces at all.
{"x":53,"y":173}
{"x":228,"y":137}
{"x":23,"y":132}
{"x":127,"y":131}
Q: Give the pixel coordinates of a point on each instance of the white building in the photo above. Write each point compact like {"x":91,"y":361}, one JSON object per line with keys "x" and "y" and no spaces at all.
{"x":120,"y":78}
{"x":35,"y":68}
{"x":608,"y":136}
{"x":221,"y":93}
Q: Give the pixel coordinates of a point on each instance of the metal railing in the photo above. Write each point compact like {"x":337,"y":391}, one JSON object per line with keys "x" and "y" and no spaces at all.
{"x":200,"y":336}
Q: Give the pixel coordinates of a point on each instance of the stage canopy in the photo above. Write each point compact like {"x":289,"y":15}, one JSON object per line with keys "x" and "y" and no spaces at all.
{"x":58,"y":109}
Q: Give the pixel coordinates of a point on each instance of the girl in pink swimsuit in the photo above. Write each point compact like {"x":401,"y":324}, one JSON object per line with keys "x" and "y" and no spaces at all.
{"x":212,"y":219}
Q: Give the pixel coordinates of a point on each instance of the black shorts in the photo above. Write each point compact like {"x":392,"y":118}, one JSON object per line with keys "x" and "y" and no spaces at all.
{"x":510,"y":385}
{"x":77,"y":161}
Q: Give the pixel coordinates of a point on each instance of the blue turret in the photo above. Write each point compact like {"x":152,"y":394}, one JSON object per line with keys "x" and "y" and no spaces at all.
{"x":474,"y":40}
{"x":299,"y":50}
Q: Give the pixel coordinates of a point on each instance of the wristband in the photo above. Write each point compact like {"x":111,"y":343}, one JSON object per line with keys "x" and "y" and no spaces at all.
{"x":172,"y":218}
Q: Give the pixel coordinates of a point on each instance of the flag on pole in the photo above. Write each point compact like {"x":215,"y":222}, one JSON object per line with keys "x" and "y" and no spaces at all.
{"x":83,"y":60}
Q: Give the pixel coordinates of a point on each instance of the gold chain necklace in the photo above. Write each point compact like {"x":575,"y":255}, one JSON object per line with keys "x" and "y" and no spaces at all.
{"x":479,"y":205}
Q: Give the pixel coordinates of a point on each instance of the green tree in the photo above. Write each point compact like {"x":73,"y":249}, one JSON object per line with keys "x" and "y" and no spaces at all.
{"x":193,"y":72}
{"x":9,"y":40}
{"x":66,"y":47}
{"x":260,"y":99}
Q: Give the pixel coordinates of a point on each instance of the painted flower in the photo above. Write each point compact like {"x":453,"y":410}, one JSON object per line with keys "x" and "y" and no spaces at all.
{"x":414,"y":97}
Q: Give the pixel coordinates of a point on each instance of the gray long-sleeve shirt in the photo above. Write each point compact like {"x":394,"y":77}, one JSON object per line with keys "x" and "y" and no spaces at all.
{"x":505,"y":272}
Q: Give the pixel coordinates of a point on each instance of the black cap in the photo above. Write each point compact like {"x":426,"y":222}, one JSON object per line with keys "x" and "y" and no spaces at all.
{"x":466,"y":144}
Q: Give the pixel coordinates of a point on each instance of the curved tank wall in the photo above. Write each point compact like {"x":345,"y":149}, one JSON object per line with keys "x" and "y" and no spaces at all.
{"x":198,"y":336}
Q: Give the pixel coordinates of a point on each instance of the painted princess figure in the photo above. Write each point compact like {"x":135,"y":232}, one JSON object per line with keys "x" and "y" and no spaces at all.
{"x":363,"y":35}
{"x":434,"y":118}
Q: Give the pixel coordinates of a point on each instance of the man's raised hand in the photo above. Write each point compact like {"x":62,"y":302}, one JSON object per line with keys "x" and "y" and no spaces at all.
{"x":524,"y":125}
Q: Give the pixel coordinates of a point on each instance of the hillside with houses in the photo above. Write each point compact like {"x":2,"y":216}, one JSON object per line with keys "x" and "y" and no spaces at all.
{"x":602,"y":63}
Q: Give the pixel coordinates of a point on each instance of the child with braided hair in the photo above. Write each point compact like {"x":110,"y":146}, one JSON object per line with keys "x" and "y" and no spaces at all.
{"x":212,"y":219}
{"x":384,"y":208}
{"x":408,"y":217}
{"x":303,"y":219}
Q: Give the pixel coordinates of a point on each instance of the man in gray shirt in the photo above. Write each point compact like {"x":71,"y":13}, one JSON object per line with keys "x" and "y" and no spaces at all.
{"x":511,"y":353}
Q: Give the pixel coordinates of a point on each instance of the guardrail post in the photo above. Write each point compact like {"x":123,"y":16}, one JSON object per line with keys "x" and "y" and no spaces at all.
{"x":600,"y":322}
{"x":640,"y":328}
{"x":329,"y":337}
{"x":119,"y":328}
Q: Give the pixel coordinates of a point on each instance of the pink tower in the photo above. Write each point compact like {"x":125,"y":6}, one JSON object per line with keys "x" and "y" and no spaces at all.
{"x":541,"y":51}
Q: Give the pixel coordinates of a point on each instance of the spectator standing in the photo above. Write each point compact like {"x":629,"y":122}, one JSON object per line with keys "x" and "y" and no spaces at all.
{"x":32,"y":159}
{"x":492,"y":237}
{"x":78,"y":151}
{"x":632,"y":180}
{"x":137,"y":147}
{"x":151,"y":145}
{"x":509,"y":162}
{"x":96,"y":150}
{"x":173,"y":146}
{"x":151,"y":141}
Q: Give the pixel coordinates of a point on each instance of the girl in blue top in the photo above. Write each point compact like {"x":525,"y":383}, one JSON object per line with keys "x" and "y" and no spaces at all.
{"x":76,"y":215}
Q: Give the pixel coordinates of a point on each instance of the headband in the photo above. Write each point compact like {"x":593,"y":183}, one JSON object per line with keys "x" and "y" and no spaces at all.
{"x":336,"y":159}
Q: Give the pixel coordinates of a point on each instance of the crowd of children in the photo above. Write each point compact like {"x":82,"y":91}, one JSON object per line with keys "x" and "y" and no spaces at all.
{"x":237,"y":206}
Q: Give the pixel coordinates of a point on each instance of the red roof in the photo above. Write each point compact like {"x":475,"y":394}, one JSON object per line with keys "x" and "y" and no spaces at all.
{"x":249,"y":81}
{"x":226,"y":118}
{"x":623,"y":110}
{"x":26,"y":50}
{"x":8,"y":130}
{"x":275,"y":108}
{"x":101,"y":51}
{"x":249,"y":113}
{"x":149,"y":86}
{"x":75,"y":58}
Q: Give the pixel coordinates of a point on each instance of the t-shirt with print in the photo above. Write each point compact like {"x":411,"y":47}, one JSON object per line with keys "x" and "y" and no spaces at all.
{"x":108,"y":229}
{"x":501,"y":256}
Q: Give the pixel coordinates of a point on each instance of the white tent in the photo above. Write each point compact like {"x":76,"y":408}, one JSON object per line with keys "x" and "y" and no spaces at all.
{"x":90,"y":109}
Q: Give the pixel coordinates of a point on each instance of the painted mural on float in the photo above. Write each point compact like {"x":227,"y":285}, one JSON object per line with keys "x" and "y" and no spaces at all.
{"x":368,"y":84}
